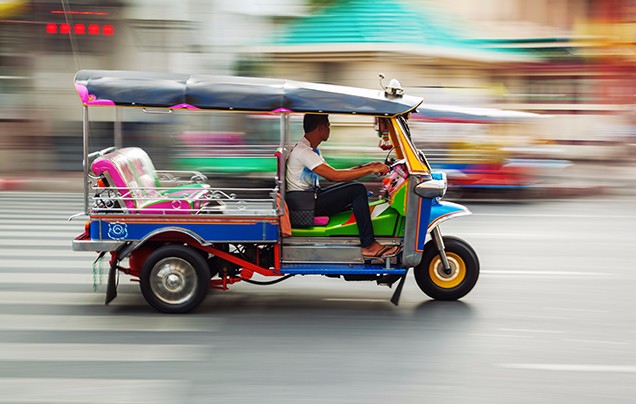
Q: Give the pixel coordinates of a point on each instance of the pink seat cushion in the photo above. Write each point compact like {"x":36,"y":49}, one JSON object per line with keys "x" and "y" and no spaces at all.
{"x":321,"y":220}
{"x":131,"y":171}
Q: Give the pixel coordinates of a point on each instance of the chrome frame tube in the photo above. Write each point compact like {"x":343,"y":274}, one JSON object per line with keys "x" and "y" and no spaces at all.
{"x":118,"y":128}
{"x":85,"y":130}
{"x":439,"y":243}
{"x":284,"y":139}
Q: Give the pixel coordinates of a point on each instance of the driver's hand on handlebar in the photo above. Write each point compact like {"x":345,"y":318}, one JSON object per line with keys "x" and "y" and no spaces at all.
{"x":379,"y":168}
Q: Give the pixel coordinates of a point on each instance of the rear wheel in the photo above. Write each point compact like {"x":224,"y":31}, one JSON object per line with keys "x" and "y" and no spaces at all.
{"x":174,"y":279}
{"x":431,"y":277}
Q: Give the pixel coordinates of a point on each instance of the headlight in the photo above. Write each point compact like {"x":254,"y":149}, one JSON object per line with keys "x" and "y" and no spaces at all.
{"x":433,"y":188}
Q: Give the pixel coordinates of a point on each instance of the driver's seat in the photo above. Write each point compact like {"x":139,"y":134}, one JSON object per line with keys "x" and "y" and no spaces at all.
{"x":280,"y":176}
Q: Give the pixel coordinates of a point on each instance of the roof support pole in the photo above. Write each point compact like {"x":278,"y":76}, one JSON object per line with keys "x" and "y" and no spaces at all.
{"x":85,"y":161}
{"x":118,"y":130}
{"x":284,"y":141}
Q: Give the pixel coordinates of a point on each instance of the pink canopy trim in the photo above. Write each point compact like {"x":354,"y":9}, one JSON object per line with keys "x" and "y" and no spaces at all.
{"x":282,"y":110}
{"x":90,"y":99}
{"x":184,"y":106}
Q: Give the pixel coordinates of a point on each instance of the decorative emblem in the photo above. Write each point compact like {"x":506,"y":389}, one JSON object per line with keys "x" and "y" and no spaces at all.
{"x":117,"y":231}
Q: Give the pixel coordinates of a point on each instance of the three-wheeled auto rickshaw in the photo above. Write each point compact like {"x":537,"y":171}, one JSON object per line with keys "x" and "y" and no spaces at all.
{"x":179,"y":235}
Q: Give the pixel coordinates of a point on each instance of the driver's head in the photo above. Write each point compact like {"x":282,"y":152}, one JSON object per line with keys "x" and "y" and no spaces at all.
{"x":312,"y":122}
{"x":318,"y":126}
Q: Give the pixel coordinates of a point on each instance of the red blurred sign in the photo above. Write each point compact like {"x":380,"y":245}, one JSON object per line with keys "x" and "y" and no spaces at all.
{"x":80,"y":29}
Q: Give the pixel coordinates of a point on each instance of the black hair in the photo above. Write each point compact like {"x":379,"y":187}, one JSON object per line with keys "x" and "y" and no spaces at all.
{"x":312,"y":121}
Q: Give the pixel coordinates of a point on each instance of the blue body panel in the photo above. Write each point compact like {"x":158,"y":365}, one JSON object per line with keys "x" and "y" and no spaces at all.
{"x":213,"y":232}
{"x":338,"y":269}
{"x":425,"y":209}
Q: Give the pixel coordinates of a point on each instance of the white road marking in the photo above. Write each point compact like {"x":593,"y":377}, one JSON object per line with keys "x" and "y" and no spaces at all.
{"x":533,"y":236}
{"x":65,"y":299}
{"x":591,"y":341}
{"x":110,"y":322}
{"x":96,"y":391}
{"x":19,"y":213}
{"x":545,"y":273}
{"x":532,"y":331}
{"x":45,"y":253}
{"x":576,"y":310}
{"x":569,"y":367}
{"x":13,"y":263}
{"x":40,"y":230}
{"x":500,"y":335}
{"x":39,"y":242}
{"x":343,"y":299}
{"x":80,"y":352}
{"x":41,"y":222}
{"x":50,"y":278}
{"x":556,"y":215}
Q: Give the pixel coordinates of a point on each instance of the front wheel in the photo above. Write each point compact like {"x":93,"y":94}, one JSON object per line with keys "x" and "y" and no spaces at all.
{"x":175,"y":279}
{"x":432,"y":279}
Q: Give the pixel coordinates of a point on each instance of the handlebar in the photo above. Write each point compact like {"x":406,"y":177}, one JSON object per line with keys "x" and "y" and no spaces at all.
{"x":101,"y":153}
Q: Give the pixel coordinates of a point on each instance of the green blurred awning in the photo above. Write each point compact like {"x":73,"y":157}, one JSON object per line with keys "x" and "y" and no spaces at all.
{"x":386,"y":25}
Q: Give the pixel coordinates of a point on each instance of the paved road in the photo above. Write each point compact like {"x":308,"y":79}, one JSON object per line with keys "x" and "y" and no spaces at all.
{"x":551,"y":319}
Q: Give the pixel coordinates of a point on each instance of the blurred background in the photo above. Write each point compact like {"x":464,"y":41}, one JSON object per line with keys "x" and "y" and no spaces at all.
{"x":551,"y":319}
{"x":565,"y":66}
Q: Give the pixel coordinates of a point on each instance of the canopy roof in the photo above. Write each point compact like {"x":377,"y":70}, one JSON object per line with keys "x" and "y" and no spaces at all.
{"x":144,"y":89}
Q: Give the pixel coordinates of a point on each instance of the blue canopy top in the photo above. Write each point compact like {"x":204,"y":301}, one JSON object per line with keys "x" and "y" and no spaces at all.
{"x":145,"y":89}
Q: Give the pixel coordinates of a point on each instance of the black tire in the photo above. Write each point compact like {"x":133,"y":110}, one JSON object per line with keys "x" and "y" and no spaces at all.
{"x":175,"y":279}
{"x":437,"y":285}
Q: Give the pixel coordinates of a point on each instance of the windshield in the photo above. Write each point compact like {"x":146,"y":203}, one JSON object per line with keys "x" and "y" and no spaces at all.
{"x":407,"y":131}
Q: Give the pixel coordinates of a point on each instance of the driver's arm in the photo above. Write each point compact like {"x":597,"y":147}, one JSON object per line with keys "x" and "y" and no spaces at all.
{"x":350,"y":174}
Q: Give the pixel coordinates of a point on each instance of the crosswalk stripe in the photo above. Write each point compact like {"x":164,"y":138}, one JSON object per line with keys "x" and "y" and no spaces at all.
{"x":47,"y":278}
{"x":159,"y":323}
{"x":67,"y":299}
{"x":9,"y":264}
{"x":88,"y":352}
{"x":37,"y":252}
{"x":36,"y":221}
{"x":30,"y":195}
{"x":37,"y":238}
{"x":96,"y":391}
{"x":52,"y":242}
{"x":29,"y":231}
{"x":62,"y":214}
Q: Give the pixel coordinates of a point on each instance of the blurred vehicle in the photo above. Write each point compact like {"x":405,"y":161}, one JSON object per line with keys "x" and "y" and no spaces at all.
{"x":482,"y":149}
{"x":231,"y":155}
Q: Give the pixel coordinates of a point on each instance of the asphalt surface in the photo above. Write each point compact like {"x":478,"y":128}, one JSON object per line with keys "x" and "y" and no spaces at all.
{"x":550,"y":320}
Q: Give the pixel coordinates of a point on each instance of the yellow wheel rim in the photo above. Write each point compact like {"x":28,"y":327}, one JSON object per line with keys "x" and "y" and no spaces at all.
{"x":439,"y":278}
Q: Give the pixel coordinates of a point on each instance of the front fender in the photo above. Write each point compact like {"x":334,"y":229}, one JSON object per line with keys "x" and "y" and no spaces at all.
{"x":443,"y":211}
{"x":423,"y":215}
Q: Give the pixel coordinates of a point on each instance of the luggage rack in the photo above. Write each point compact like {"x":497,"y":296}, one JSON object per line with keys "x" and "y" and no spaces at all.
{"x":187,"y":199}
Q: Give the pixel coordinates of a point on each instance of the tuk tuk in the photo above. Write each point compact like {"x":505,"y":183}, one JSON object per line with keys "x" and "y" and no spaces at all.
{"x":179,"y":235}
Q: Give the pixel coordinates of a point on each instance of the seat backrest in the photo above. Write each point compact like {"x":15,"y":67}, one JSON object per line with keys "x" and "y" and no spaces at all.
{"x":131,"y":171}
{"x":281,"y":156}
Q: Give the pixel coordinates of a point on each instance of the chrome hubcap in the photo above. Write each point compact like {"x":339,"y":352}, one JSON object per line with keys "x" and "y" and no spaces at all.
{"x":173,"y":280}
{"x":439,"y":269}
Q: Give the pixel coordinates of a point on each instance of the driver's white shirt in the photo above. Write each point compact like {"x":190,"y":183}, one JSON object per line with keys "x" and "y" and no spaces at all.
{"x":300,"y":164}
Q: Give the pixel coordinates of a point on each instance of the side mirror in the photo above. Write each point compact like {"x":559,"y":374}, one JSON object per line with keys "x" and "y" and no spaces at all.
{"x":433,"y":188}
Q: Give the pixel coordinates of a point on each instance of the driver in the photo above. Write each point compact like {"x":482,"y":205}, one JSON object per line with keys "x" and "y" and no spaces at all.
{"x":305,"y":165}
